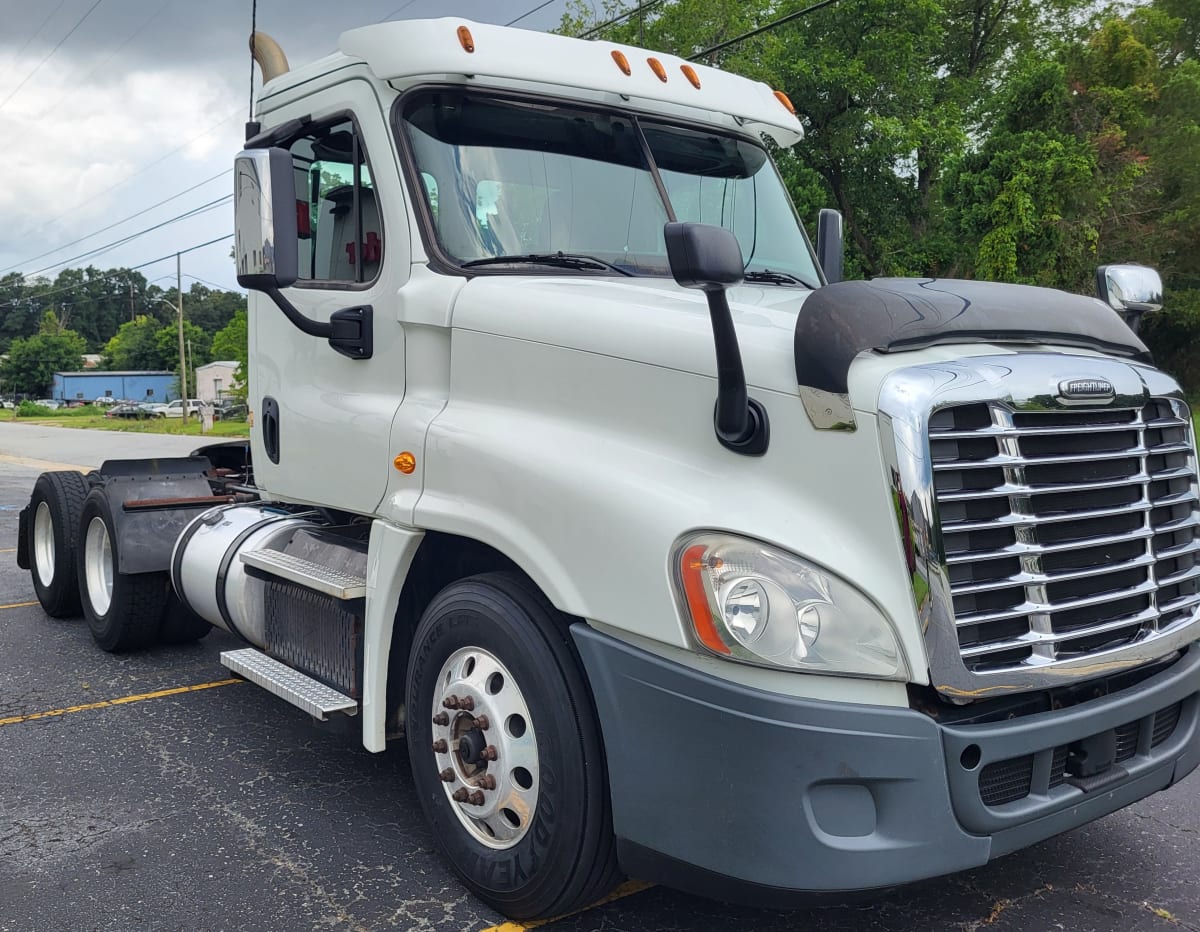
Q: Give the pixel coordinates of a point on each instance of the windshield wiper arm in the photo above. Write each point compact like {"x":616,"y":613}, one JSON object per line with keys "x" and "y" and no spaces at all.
{"x":771,"y":277}
{"x":564,"y":260}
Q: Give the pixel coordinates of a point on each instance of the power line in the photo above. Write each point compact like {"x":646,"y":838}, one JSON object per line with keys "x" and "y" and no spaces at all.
{"x":139,"y":171}
{"x":91,"y":253}
{"x":761,"y":29}
{"x":139,"y":213}
{"x":399,"y":9}
{"x":118,"y":273}
{"x":109,"y":57}
{"x":618,"y":19}
{"x":37,"y":32}
{"x":540,"y":6}
{"x":38,"y":66}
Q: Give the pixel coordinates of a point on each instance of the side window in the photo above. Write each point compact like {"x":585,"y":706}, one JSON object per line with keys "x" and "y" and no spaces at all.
{"x":337,"y":215}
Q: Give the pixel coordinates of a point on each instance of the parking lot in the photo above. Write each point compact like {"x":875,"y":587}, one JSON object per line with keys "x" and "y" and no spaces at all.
{"x":152,"y":791}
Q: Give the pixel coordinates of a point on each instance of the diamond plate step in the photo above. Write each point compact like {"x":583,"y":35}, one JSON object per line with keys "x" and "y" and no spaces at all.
{"x":315,"y":698}
{"x":306,"y":573}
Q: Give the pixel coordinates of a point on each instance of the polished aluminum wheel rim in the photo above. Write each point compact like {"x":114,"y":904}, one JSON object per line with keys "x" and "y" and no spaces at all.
{"x":43,"y":543}
{"x":477,"y":700}
{"x":98,"y":566}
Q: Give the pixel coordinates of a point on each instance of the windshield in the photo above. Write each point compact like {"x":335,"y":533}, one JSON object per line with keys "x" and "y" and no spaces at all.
{"x":523,"y":179}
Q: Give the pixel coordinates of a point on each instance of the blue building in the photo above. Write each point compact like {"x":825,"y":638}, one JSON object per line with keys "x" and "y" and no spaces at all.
{"x":129,"y":385}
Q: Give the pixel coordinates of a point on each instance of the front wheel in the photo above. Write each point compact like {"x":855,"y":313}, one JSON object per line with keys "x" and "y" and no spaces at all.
{"x":506,"y":751}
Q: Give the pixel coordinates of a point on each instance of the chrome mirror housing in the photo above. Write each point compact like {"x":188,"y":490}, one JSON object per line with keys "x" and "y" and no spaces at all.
{"x":265,"y":233}
{"x":1130,"y":290}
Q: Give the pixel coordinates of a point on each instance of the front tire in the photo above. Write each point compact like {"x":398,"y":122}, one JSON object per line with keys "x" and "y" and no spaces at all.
{"x":505,"y":749}
{"x":123,"y":612}
{"x":56,"y":504}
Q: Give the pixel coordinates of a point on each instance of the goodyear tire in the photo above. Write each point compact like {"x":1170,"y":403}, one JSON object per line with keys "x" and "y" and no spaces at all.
{"x":506,"y":751}
{"x":55,"y":507}
{"x":123,"y":612}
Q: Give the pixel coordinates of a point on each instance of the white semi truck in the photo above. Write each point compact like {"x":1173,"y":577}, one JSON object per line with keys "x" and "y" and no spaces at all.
{"x":667,"y":553}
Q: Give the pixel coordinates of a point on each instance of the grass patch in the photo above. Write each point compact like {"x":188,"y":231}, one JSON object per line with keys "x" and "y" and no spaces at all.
{"x":88,"y":418}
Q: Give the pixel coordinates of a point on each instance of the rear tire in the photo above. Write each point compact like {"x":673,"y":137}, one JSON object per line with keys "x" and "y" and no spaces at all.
{"x":123,"y":612}
{"x":56,"y":505}
{"x":537,"y":838}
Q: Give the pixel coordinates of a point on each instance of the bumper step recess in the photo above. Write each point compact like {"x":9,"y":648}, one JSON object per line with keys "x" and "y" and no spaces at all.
{"x":315,"y":698}
{"x":306,"y":573}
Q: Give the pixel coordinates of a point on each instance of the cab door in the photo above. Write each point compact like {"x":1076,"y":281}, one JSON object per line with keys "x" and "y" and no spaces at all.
{"x":322,"y":419}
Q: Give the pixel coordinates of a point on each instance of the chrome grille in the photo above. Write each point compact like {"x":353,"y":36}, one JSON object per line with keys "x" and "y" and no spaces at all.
{"x":1064,"y":533}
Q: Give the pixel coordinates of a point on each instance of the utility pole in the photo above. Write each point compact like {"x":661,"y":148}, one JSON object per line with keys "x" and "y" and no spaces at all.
{"x":132,"y":313}
{"x":183,"y":384}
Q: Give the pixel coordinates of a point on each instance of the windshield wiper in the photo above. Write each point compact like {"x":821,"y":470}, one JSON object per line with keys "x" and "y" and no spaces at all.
{"x":564,"y":260}
{"x":769,"y":277}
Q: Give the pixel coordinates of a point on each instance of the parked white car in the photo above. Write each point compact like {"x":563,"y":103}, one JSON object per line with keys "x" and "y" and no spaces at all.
{"x":175,"y":408}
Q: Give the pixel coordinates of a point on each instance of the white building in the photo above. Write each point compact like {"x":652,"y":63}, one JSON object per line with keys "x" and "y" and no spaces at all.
{"x":214,"y":380}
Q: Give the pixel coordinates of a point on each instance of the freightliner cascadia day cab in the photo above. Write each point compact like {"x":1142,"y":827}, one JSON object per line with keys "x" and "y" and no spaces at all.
{"x":574,"y":466}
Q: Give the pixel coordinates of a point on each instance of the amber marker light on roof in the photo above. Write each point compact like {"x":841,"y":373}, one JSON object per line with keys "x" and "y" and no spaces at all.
{"x":405,"y":462}
{"x":465,"y":39}
{"x":622,"y":61}
{"x":786,"y":101}
{"x":690,"y":73}
{"x":657,"y":67}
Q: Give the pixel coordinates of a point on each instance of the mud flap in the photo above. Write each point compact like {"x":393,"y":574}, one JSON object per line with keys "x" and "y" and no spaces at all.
{"x":23,"y":538}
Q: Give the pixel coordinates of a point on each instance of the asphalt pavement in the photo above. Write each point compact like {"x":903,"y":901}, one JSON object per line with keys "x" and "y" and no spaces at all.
{"x":148,"y":791}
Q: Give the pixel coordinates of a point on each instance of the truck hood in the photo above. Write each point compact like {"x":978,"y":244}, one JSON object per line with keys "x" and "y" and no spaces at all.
{"x":648,"y":320}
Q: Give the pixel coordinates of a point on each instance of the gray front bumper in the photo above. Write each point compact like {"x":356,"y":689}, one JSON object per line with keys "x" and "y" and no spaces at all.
{"x":723,"y":789}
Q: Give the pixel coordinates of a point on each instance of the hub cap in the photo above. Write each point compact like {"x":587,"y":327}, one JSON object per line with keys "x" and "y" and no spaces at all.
{"x":485,"y":747}
{"x":98,"y":566}
{"x":43,"y":544}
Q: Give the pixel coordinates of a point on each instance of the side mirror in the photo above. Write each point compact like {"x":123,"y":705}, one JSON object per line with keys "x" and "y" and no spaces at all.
{"x":266,"y":248}
{"x":264,"y":206}
{"x":829,"y":245}
{"x":709,"y":258}
{"x":1131,"y":290}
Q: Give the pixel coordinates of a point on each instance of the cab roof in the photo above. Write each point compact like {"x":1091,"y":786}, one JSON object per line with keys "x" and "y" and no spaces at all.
{"x":406,"y":52}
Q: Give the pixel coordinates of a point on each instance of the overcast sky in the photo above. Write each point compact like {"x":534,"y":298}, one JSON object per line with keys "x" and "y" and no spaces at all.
{"x":134,"y":101}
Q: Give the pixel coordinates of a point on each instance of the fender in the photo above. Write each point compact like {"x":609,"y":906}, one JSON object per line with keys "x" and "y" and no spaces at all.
{"x":148,"y":534}
{"x":390,"y":553}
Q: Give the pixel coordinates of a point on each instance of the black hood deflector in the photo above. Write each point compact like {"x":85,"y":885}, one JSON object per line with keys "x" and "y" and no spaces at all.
{"x":889,"y":315}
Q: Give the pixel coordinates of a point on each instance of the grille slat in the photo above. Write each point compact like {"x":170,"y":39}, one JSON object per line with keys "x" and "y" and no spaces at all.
{"x":1065,"y":532}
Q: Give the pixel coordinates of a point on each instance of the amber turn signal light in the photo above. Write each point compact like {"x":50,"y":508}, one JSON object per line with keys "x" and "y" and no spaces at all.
{"x":405,"y":462}
{"x":690,"y":73}
{"x":786,"y":101}
{"x":622,"y":61}
{"x":465,"y":39}
{"x":657,"y":67}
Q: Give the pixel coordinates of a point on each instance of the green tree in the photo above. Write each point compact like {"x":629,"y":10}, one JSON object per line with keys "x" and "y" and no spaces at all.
{"x":136,"y":346}
{"x":232,"y":342}
{"x":32,"y":361}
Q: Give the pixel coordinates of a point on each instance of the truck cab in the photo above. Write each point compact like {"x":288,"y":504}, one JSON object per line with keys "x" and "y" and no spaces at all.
{"x":667,"y":553}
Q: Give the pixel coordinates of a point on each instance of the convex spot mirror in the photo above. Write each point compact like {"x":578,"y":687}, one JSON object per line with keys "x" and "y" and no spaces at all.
{"x":264,"y":205}
{"x":1130,"y":290}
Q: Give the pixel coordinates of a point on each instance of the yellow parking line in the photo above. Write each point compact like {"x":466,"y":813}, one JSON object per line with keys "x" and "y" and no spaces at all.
{"x":9,"y":550}
{"x":41,"y":464}
{"x":629,"y":888}
{"x":17,"y":605}
{"x":124,"y":700}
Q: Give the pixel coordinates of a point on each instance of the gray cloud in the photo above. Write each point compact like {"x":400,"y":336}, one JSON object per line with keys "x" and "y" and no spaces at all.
{"x":138,"y":79}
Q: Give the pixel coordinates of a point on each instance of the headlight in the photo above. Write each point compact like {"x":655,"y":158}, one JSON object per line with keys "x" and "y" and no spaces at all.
{"x":758,"y":604}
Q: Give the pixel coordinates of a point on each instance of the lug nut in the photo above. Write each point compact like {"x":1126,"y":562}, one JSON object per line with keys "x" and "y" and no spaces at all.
{"x":441,"y":719}
{"x":440,"y":746}
{"x":475,"y":799}
{"x":488,"y":753}
{"x":450,"y":702}
{"x":482,"y":722}
{"x":466,"y":703}
{"x":487,"y":782}
{"x":460,"y":795}
{"x":447,"y":775}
